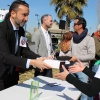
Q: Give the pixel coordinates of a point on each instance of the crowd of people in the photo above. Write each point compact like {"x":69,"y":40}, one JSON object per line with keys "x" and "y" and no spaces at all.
{"x":83,"y":49}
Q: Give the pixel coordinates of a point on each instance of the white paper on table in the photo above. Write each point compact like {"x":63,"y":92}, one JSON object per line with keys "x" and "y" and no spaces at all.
{"x":55,"y":63}
{"x":97,"y":75}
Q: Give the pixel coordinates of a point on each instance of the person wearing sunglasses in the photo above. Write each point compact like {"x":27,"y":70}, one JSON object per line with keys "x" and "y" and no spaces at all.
{"x":82,"y":48}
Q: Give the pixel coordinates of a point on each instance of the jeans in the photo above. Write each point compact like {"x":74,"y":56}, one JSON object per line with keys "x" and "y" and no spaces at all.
{"x":94,"y":69}
{"x":84,"y":78}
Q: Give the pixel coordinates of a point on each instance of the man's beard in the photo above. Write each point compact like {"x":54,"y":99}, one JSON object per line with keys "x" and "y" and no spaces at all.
{"x":19,"y":23}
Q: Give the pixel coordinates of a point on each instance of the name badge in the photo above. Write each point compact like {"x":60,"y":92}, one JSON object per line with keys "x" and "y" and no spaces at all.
{"x":23,"y":41}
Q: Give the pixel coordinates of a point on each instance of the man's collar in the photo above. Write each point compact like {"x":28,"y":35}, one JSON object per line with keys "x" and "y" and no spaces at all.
{"x":14,"y":27}
{"x":44,"y":29}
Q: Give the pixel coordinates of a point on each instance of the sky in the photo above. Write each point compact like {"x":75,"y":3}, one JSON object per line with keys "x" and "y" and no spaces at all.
{"x":42,"y":7}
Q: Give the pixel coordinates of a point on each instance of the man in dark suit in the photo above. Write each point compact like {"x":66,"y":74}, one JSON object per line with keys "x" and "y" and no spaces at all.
{"x":14,"y":50}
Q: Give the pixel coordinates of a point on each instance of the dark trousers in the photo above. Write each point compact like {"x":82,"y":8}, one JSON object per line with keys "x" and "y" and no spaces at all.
{"x":46,"y":72}
{"x":8,"y":80}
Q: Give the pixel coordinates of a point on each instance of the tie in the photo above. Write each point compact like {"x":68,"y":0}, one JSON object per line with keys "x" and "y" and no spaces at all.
{"x":16,"y":37}
{"x":16,"y":47}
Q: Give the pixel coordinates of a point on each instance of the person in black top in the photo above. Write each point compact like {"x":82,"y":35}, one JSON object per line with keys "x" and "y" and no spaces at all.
{"x":90,"y":89}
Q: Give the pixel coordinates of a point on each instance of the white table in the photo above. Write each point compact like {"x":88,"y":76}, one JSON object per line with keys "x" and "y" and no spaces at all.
{"x":65,"y":91}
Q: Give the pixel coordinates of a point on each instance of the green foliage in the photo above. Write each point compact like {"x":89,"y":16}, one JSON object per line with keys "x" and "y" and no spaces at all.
{"x":58,"y":45}
{"x":29,"y":37}
{"x":69,"y":8}
{"x":58,"y":49}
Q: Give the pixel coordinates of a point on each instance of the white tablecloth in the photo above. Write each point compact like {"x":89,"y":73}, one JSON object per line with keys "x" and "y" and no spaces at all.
{"x":64,"y":91}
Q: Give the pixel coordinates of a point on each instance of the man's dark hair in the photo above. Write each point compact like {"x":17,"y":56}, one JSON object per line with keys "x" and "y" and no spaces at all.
{"x":14,"y":6}
{"x":42,"y":18}
{"x":82,"y":21}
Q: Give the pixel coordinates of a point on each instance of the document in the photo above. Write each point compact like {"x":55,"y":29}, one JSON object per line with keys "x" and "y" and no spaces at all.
{"x":97,"y":75}
{"x":53,"y":63}
{"x":56,"y":63}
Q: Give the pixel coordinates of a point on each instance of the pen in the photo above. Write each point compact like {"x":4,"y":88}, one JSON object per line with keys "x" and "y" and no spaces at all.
{"x":52,"y":83}
{"x":55,"y":85}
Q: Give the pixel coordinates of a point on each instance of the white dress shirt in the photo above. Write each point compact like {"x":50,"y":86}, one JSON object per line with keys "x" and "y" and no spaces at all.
{"x":47,"y":39}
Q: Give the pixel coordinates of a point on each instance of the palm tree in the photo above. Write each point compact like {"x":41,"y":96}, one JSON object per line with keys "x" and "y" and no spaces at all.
{"x":68,"y":8}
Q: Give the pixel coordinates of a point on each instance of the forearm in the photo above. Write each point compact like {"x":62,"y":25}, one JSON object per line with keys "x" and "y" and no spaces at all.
{"x":89,"y":89}
{"x":10,"y":59}
{"x":88,"y":72}
{"x":29,"y":54}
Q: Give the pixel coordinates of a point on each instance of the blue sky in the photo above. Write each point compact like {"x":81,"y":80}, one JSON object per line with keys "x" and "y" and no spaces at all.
{"x":42,"y":7}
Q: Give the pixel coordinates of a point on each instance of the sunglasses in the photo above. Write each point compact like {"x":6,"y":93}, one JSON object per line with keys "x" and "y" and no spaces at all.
{"x":77,"y":24}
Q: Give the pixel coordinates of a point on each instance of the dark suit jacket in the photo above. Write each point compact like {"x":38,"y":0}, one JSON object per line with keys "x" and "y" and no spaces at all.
{"x":7,"y":48}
